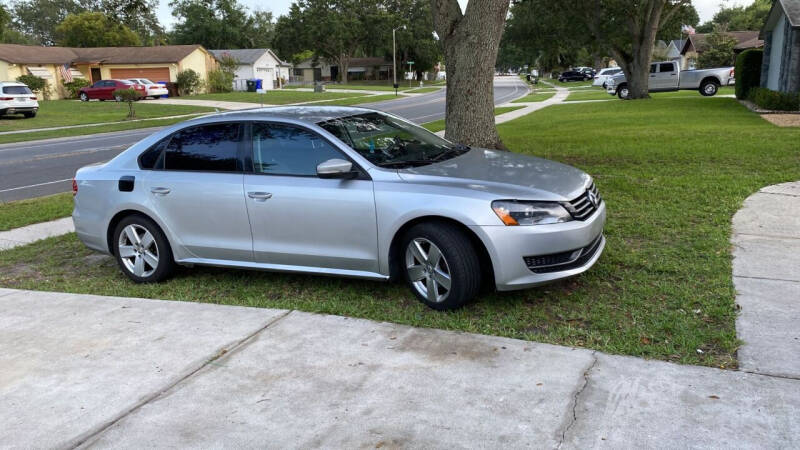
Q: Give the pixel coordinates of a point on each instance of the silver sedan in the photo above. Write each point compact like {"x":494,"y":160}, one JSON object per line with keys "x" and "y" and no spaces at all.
{"x":339,"y":191}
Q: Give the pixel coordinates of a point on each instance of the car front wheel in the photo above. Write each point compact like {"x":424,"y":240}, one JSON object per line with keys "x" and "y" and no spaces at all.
{"x":441,"y":265}
{"x":142,"y":250}
{"x":84,"y":97}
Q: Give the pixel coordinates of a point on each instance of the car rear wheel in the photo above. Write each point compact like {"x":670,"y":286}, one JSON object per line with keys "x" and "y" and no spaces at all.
{"x":441,"y":265}
{"x":84,"y":97}
{"x":118,"y":98}
{"x":622,"y":92}
{"x":142,"y":250}
{"x":709,"y":88}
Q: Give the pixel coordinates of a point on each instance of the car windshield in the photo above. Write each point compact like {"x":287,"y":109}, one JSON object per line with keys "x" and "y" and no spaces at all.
{"x":16,"y":90}
{"x":390,"y":142}
{"x":145,"y":81}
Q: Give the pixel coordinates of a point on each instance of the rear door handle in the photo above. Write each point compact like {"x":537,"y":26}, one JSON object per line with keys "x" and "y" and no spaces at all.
{"x":160,"y":190}
{"x":259,"y":196}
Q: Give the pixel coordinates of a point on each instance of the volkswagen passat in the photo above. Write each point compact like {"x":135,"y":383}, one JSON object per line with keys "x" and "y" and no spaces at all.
{"x":339,"y":191}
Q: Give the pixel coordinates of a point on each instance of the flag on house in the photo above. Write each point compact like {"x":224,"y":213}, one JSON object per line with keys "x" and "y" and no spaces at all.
{"x":65,"y":72}
{"x":687,"y":29}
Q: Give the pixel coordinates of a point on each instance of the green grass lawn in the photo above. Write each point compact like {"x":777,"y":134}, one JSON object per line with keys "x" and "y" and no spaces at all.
{"x":57,"y":113}
{"x":438,"y":125}
{"x":662,"y":289}
{"x":275,"y":97}
{"x":589,"y":94}
{"x":27,"y":212}
{"x":535,"y":97}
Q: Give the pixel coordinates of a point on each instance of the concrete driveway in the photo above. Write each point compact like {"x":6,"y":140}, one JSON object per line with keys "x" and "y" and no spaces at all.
{"x":81,"y":370}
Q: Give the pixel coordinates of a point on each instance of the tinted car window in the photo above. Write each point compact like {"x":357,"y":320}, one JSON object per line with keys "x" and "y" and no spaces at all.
{"x":210,"y":148}
{"x":667,"y":67}
{"x":653,"y":68}
{"x":16,"y":90}
{"x":153,"y":158}
{"x":286,"y":150}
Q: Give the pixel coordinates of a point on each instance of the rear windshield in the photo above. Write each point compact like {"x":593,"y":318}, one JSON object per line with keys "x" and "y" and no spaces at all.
{"x":16,"y":90}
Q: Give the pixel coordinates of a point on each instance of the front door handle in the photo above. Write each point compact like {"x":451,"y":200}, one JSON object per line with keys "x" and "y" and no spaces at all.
{"x":259,"y":196}
{"x":160,"y":190}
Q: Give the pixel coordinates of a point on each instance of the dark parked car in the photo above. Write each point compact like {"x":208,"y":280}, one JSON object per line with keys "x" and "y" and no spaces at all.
{"x":573,"y":76}
{"x":104,"y":90}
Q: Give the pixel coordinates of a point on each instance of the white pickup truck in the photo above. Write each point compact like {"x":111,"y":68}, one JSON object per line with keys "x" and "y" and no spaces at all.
{"x":666,"y":76}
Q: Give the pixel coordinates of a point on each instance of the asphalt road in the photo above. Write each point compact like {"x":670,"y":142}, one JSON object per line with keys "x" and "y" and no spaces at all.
{"x":37,"y":168}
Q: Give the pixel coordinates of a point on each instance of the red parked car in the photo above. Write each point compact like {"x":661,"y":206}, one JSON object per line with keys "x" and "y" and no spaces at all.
{"x":104,"y":90}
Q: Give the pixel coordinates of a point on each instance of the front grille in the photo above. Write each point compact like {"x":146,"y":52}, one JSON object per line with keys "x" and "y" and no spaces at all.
{"x":557,"y":262}
{"x":583,"y":207}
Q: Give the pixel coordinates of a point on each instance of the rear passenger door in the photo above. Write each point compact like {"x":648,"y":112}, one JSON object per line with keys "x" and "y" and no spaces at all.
{"x":195,"y":187}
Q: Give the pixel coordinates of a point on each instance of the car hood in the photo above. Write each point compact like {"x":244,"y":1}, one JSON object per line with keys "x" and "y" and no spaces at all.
{"x":505,"y":174}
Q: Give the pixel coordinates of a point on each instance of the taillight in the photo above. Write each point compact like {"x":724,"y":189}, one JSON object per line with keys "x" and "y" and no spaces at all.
{"x":33,"y":98}
{"x":74,"y":187}
{"x":732,"y":71}
{"x":7,"y":98}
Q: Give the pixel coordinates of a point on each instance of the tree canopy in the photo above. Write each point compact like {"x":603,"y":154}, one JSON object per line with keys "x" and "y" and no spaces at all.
{"x":739,"y":18}
{"x":220,"y":24}
{"x":94,"y":29}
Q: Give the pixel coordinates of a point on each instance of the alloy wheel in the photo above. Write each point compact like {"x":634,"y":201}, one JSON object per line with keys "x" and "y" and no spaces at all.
{"x":428,"y":270}
{"x":710,"y":89}
{"x":138,"y":250}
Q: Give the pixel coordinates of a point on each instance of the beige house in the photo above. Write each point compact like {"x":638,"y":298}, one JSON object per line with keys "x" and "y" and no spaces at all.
{"x":372,"y":68}
{"x":162,"y":63}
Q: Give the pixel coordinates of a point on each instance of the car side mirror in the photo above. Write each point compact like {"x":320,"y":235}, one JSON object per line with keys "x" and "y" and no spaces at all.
{"x":336,"y":168}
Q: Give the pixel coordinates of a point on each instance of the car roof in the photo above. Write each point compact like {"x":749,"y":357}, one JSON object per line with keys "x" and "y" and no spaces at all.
{"x":308,"y":114}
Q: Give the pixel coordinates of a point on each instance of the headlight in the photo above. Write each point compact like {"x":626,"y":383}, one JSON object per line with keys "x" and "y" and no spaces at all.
{"x":513,"y":212}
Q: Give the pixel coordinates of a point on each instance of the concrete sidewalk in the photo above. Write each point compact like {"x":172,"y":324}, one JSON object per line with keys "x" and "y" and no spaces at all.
{"x":81,"y":370}
{"x":36,"y":232}
{"x":766,"y":273}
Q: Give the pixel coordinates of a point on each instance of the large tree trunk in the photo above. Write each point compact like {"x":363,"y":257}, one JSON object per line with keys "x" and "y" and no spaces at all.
{"x":344,"y":66}
{"x":470,"y":41}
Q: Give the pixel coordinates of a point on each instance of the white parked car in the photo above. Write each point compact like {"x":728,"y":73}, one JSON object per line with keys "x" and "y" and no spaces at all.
{"x":154,"y":90}
{"x":17,"y":98}
{"x":602,"y":76}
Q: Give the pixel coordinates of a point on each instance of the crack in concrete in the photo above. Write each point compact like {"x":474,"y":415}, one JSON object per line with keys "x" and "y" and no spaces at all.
{"x":575,"y":399}
{"x":772,"y":375}
{"x":91,"y":435}
{"x":768,"y":236}
{"x":767,"y":278}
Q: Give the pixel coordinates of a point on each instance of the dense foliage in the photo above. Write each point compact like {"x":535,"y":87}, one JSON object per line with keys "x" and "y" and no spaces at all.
{"x":94,"y":29}
{"x":223,"y":24}
{"x":74,"y":86}
{"x":720,"y":50}
{"x":775,"y":100}
{"x":188,"y":82}
{"x":748,"y":72}
{"x":739,"y":18}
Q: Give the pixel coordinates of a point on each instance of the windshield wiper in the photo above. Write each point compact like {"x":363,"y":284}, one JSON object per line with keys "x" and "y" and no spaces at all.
{"x":410,"y":162}
{"x":458,"y":150}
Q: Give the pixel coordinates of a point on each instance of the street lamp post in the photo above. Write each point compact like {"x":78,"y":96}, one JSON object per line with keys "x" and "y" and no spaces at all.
{"x":394,"y":58}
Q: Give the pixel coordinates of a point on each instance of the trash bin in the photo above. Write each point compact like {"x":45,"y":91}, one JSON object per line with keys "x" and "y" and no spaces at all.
{"x":172,"y":89}
{"x":259,"y":82}
{"x":164,"y":83}
{"x":251,"y":85}
{"x":319,"y":87}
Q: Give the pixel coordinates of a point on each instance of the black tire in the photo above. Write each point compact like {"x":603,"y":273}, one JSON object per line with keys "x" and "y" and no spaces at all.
{"x":622,"y":92}
{"x":163,"y":269}
{"x":709,"y":88}
{"x":29,"y":115}
{"x":84,"y":97}
{"x":460,"y":260}
{"x":117,"y":98}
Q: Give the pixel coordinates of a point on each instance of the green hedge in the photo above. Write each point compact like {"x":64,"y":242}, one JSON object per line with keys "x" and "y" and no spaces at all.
{"x":774,"y":100}
{"x":748,"y":72}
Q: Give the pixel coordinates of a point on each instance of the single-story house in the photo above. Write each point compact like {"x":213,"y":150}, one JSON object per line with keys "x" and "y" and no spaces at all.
{"x":673,"y":51}
{"x":697,"y":43}
{"x":260,"y":63}
{"x":780,"y":70}
{"x":54,"y":64}
{"x":372,"y":68}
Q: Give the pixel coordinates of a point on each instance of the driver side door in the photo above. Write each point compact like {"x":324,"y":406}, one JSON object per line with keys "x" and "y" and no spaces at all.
{"x":298,"y":219}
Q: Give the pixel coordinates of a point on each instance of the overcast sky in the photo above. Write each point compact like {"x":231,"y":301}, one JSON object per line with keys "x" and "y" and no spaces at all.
{"x":706,"y":8}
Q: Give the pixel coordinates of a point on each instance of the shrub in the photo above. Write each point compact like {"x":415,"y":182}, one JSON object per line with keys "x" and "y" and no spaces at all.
{"x":220,"y":81}
{"x":74,"y":86}
{"x":188,"y":82}
{"x":36,"y":84}
{"x":748,"y":72}
{"x":774,"y":100}
{"x":129,"y":96}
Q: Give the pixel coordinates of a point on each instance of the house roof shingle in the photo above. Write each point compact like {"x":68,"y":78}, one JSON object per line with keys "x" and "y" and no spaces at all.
{"x":792,"y":10}
{"x":31,"y":54}
{"x":744,"y":40}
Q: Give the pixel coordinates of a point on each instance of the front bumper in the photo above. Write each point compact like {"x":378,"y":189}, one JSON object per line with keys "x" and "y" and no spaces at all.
{"x":509,"y":247}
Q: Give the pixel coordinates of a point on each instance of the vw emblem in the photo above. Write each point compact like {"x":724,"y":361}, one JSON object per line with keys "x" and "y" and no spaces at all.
{"x":592,"y":198}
